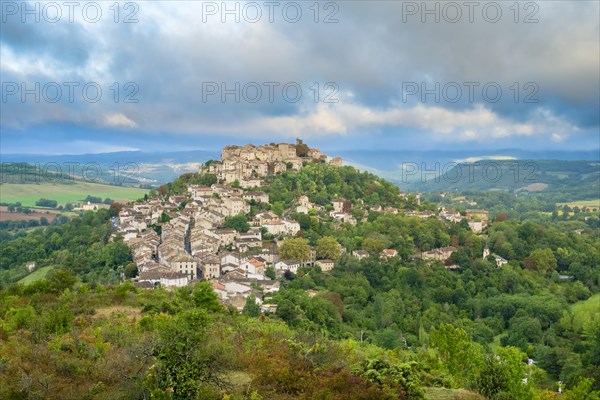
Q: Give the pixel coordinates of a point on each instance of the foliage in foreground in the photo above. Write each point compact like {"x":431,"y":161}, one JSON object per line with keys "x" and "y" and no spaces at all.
{"x":63,"y":342}
{"x":118,"y":342}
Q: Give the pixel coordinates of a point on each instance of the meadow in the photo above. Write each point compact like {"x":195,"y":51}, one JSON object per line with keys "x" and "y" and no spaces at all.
{"x":29,"y":193}
{"x":36,"y":275}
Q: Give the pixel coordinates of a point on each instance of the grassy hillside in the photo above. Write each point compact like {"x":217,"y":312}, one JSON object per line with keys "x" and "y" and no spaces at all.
{"x":76,"y":191}
{"x":586,"y":311}
{"x":36,"y":275}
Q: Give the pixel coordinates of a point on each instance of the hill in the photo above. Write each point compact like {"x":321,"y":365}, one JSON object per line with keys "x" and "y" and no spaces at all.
{"x":27,"y":183}
{"x":385,"y":322}
{"x":564,"y":180}
{"x":132,"y":168}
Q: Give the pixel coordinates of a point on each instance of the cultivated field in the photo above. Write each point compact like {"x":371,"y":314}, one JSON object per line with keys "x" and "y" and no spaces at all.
{"x":36,"y":214}
{"x":582,"y":203}
{"x":28,"y":193}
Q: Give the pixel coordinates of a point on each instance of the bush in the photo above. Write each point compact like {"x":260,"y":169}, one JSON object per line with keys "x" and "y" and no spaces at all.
{"x":46,"y":203}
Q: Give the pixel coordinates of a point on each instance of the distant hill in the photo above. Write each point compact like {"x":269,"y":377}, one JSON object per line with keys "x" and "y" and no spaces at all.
{"x":131,"y":168}
{"x":574,"y":180}
{"x":396,"y":165}
{"x":27,"y":183}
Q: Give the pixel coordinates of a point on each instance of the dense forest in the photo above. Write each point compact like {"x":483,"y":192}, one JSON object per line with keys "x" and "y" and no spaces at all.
{"x":80,"y":245}
{"x":399,"y":328}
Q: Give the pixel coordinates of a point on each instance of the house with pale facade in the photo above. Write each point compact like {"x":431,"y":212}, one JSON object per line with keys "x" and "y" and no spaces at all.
{"x":200,"y":192}
{"x":259,"y":197}
{"x":185,"y":264}
{"x":265,"y":217}
{"x":250,"y":183}
{"x":226,"y":236}
{"x":210,"y":267}
{"x":441,"y":254}
{"x":287,"y":265}
{"x":341,"y":205}
{"x":253,"y":266}
{"x":360,"y":254}
{"x":325,"y":265}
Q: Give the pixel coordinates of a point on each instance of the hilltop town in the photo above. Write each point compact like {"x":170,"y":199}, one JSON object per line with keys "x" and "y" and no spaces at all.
{"x":249,"y":164}
{"x":182,"y":238}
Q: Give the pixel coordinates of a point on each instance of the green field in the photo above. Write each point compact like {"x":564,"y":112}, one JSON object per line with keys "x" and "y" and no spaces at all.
{"x":29,"y":193}
{"x":36,"y":275}
{"x":582,"y":203}
{"x":586,"y":311}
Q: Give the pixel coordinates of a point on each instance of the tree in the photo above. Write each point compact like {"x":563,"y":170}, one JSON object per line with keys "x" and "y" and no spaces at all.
{"x":502,"y":374}
{"x":270,"y":272}
{"x":164,"y":217}
{"x":373,"y":246}
{"x":130,"y":270}
{"x":60,"y":279}
{"x":205,"y":297}
{"x":501,"y":217}
{"x":304,"y":220}
{"x":542,"y":260}
{"x":404,"y":378}
{"x":328,"y":247}
{"x":457,"y":351}
{"x":295,"y":249}
{"x":583,"y":391}
{"x":46,"y":203}
{"x":208,"y":179}
{"x":93,"y":199}
{"x":278,"y":208}
{"x":189,"y":358}
{"x":523,"y":330}
{"x":251,"y":309}
{"x":237,"y":222}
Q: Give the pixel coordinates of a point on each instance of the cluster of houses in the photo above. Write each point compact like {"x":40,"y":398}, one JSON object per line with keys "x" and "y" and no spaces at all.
{"x":194,"y":244}
{"x":192,"y":238}
{"x":183,"y":238}
{"x":249,"y":164}
{"x":477,"y":219}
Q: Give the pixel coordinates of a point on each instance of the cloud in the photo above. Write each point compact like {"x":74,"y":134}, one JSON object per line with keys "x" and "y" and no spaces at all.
{"x":170,"y":52}
{"x":477,"y":123}
{"x":119,"y":120}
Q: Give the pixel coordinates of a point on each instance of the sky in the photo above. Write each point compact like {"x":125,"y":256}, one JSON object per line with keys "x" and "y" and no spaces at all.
{"x":177,"y":75}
